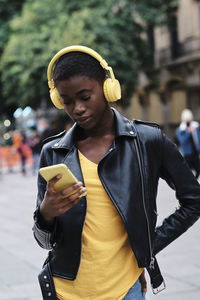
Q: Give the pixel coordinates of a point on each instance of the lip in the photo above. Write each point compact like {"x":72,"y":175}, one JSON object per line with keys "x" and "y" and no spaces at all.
{"x":83,"y":120}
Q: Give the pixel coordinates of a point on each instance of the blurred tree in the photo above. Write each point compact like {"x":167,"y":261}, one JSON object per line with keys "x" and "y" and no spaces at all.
{"x":116,"y":29}
{"x":8,"y":10}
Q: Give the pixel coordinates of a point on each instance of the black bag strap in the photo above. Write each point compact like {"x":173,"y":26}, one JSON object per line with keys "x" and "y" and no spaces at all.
{"x":46,"y":283}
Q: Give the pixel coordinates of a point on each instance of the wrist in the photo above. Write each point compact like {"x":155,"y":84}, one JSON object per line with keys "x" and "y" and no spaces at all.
{"x":48,"y":219}
{"x":42,"y":222}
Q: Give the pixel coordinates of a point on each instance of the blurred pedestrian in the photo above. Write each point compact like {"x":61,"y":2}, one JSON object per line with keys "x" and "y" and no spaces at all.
{"x":100,"y":243}
{"x":46,"y":129}
{"x":188,"y":137}
{"x":9,"y":151}
{"x":24,"y":152}
{"x":35,"y":146}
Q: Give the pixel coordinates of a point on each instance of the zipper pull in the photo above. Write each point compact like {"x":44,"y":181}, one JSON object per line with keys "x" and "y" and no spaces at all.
{"x":151,"y":266}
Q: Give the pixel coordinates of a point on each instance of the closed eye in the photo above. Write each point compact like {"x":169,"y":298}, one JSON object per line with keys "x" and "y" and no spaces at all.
{"x":85,"y":98}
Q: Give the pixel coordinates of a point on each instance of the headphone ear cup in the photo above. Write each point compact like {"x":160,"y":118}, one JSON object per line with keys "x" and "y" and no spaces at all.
{"x":55,"y":98}
{"x":112,"y":90}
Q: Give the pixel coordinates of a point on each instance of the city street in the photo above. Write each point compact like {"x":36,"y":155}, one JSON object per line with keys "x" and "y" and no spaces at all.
{"x":21,"y":258}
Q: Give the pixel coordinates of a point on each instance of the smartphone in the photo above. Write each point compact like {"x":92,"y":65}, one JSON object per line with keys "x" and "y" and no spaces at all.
{"x":67,"y":179}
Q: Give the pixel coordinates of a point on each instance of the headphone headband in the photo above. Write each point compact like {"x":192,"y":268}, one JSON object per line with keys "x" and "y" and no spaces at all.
{"x":112,"y":88}
{"x":75,"y":48}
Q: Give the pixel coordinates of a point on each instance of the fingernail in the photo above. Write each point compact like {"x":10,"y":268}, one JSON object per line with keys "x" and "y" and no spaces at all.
{"x":82,"y":192}
{"x":78,"y":184}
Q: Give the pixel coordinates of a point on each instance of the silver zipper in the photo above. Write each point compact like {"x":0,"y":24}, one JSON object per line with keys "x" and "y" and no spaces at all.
{"x":145,"y":211}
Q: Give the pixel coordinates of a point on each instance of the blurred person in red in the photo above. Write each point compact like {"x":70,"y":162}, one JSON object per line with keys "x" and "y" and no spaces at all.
{"x":24,"y":152}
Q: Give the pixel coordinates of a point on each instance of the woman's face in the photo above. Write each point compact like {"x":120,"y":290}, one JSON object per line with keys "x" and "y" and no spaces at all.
{"x":83,"y":101}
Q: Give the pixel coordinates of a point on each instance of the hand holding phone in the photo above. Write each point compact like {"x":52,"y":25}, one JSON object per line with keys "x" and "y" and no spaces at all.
{"x":61,"y":194}
{"x":67,"y":179}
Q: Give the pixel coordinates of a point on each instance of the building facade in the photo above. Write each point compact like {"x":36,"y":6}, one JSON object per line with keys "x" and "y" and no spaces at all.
{"x":177,"y":65}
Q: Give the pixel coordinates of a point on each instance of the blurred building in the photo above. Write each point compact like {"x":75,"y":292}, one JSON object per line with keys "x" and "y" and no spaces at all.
{"x":177,"y":64}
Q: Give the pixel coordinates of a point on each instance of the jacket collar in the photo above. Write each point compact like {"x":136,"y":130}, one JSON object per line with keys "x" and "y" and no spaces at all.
{"x":124,"y":127}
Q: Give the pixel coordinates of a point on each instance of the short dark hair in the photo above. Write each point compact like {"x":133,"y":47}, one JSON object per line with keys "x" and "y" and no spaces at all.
{"x":78,"y":64}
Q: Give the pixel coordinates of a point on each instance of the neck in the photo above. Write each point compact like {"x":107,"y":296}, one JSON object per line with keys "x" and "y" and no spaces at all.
{"x":106,"y":127}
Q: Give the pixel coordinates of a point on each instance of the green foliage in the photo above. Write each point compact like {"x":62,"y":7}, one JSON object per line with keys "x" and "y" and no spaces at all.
{"x":7,"y":11}
{"x":26,"y":54}
{"x":155,"y":11}
{"x":110,"y":27}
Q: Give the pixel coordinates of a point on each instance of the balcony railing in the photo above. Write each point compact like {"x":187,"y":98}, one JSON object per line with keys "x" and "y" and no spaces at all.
{"x":190,"y":47}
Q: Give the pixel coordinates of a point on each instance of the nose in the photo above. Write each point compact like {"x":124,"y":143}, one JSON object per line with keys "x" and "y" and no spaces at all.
{"x":79,"y":107}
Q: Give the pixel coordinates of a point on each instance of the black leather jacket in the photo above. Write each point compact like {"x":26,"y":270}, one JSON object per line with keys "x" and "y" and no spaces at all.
{"x":129,"y":172}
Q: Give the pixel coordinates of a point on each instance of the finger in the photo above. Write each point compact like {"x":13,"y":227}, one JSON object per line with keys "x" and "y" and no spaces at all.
{"x":71,"y":190}
{"x":143,"y":282}
{"x":51,"y":183}
{"x":70,"y":201}
{"x":55,"y":179}
{"x":75,"y":196}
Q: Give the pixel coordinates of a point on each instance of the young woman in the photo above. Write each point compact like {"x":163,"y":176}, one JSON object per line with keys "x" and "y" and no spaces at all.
{"x":100,"y":243}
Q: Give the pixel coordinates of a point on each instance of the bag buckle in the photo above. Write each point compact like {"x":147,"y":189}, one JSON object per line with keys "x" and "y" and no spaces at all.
{"x":159,"y":289}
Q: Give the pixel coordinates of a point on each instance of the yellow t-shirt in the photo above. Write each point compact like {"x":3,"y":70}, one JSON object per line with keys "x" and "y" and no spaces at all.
{"x":108,"y":266}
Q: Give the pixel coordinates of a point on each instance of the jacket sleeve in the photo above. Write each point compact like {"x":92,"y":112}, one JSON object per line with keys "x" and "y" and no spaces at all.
{"x":176,"y":172}
{"x":44,"y":236}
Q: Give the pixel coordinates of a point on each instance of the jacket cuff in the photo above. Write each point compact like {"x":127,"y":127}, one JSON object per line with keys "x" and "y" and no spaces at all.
{"x":44,"y":235}
{"x":41,"y":223}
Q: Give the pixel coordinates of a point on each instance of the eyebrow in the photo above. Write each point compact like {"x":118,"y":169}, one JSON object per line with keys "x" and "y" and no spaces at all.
{"x":82,"y":91}
{"x":78,"y":93}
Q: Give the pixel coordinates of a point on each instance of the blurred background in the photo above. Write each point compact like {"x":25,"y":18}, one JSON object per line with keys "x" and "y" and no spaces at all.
{"x":152,"y":45}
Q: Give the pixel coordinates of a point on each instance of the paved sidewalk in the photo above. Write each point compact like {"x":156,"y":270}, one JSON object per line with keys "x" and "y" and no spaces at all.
{"x":180,"y":261}
{"x":21,"y":258}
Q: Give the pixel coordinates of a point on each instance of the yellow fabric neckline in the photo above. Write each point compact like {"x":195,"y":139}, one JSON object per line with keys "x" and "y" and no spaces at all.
{"x":81,"y":156}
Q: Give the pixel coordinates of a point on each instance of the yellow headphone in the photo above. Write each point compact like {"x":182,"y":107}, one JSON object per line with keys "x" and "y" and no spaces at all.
{"x":111,"y":86}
